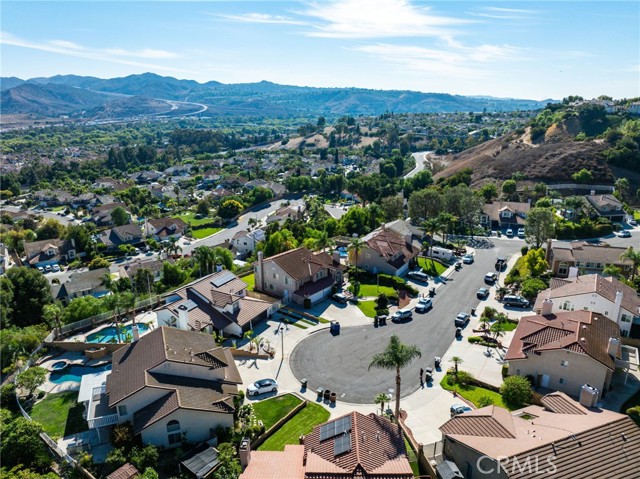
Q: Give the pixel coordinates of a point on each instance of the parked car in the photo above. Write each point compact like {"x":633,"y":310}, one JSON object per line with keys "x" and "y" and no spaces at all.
{"x":424,"y":304}
{"x":187,"y":243}
{"x":521,"y":233}
{"x":509,"y":232}
{"x":632,"y":222}
{"x":48,"y":268}
{"x":501,"y":264}
{"x":467,"y":259}
{"x":459,"y":409}
{"x":402,"y":314}
{"x":262,"y":386}
{"x":490,"y":277}
{"x":418,"y":276}
{"x":623,"y":234}
{"x":514,"y":300}
{"x":340,"y":298}
{"x":483,"y":293}
{"x":56,"y":268}
{"x":461,"y":319}
{"x":41,"y":269}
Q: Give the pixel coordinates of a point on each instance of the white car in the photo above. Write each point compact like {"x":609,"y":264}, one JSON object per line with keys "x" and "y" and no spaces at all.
{"x":262,"y":386}
{"x":401,"y":314}
{"x":424,"y":304}
{"x":623,"y":234}
{"x":418,"y":276}
{"x":467,"y":259}
{"x":56,"y":268}
{"x":521,"y":233}
{"x":509,"y":233}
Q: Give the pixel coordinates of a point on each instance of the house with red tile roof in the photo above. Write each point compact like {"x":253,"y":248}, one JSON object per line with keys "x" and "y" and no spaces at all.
{"x":351,"y":446}
{"x":386,"y":250}
{"x":561,"y":439}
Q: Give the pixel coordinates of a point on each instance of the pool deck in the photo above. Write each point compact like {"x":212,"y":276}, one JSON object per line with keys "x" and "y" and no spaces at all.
{"x":149,"y":318}
{"x":72,"y":359}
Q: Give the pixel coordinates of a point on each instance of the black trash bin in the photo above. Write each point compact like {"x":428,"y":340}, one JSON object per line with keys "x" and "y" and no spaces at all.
{"x":335,"y":327}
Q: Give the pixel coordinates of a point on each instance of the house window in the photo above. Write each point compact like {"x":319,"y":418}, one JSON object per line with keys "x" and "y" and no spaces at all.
{"x":564,"y":363}
{"x":625,"y":318}
{"x":173,"y":432}
{"x":625,"y":333}
{"x":368,"y":256}
{"x":567,"y":306}
{"x":286,"y":280}
{"x":561,"y":381}
{"x":563,"y":268}
{"x":275,"y":275}
{"x":122,"y":410}
{"x":271,"y":286}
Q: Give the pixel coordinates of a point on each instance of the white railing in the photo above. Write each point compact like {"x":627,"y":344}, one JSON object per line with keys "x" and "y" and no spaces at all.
{"x":97,"y":392}
{"x":103,"y":421}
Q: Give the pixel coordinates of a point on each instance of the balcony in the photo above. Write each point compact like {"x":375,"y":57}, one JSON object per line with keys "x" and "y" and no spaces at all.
{"x":99,"y":414}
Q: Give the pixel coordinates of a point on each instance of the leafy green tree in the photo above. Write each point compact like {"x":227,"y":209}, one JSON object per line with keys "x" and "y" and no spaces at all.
{"x":6,"y":302}
{"x":145,"y":457}
{"x":81,"y":235}
{"x":230,"y":208}
{"x":229,"y":467}
{"x":143,"y":281}
{"x":172,"y":274}
{"x":631,"y":255}
{"x":32,"y":378}
{"x":613,"y":271}
{"x":31,"y":292}
{"x":516,"y":391}
{"x":536,"y":262}
{"x":634,"y":414}
{"x":539,"y":226}
{"x":203,"y":208}
{"x":355,"y":221}
{"x":489,"y":192}
{"x":19,"y":472}
{"x":82,"y":308}
{"x":532,"y":286}
{"x":509,"y":188}
{"x":50,"y":228}
{"x":119,"y":216}
{"x":427,"y":203}
{"x":392,"y":207}
{"x":396,"y":356}
{"x":21,"y":445}
{"x":18,"y":343}
{"x":582,"y":176}
{"x":97,"y":263}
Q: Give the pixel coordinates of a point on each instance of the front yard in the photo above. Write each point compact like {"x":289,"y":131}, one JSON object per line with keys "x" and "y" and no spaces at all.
{"x":204,"y":232}
{"x":270,"y":411}
{"x":302,"y":423}
{"x":368,"y":308}
{"x":431,"y":267}
{"x":370,"y":290}
{"x":60,"y":414}
{"x":472,"y":393}
{"x":191,"y":219}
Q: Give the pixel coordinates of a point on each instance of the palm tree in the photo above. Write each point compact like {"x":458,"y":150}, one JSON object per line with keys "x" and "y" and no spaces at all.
{"x":456,"y":360}
{"x":204,"y":257}
{"x":612,"y":270}
{"x":114,"y":303}
{"x":355,"y":247}
{"x":497,"y":329}
{"x":381,"y":399}
{"x":173,"y":247}
{"x":395,"y":356}
{"x":633,"y":256}
{"x":431,"y":227}
{"x":52,"y":314}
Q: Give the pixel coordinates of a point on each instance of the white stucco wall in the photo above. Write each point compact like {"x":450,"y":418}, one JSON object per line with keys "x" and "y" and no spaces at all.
{"x":596,"y":303}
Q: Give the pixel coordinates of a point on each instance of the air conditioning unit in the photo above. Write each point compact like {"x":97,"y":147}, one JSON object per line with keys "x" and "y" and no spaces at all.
{"x":588,"y":395}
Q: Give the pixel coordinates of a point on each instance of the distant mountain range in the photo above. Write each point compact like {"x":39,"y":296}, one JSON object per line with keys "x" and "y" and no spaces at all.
{"x":151,"y":94}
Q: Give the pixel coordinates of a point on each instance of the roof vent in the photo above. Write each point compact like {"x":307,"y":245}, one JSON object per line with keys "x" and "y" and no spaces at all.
{"x":583,"y":339}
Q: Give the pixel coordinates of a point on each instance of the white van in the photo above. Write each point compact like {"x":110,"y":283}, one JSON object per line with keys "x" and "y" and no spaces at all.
{"x":440,"y":253}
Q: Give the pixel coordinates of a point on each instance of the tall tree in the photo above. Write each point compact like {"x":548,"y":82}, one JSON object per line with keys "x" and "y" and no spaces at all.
{"x":633,"y":256}
{"x":119,"y":216}
{"x":392,"y":207}
{"x":395,"y":356}
{"x":355,"y":247}
{"x":539,"y":226}
{"x":31,"y":292}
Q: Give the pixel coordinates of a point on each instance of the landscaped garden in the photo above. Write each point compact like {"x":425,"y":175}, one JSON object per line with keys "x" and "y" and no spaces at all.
{"x":431,"y":266}
{"x":60,"y":414}
{"x":270,"y":411}
{"x":479,"y":396}
{"x":191,"y":219}
{"x":250,"y":279}
{"x":368,"y":308}
{"x":300,"y":424}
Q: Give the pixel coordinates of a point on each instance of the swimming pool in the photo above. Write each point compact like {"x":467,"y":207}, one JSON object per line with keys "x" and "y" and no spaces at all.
{"x":75,"y":373}
{"x":59,"y":365}
{"x":109,"y":334}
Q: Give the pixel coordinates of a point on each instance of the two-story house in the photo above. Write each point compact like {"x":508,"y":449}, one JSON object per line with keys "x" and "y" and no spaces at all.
{"x":215,"y":303}
{"x":49,"y":252}
{"x":165,"y":228}
{"x":244,"y":242}
{"x":564,"y":351}
{"x":101,"y":215}
{"x":387,"y":251}
{"x":112,"y":238}
{"x":501,"y":215}
{"x":593,"y":292}
{"x":154,"y":266}
{"x":606,"y":206}
{"x":82,"y":284}
{"x":298,"y":274}
{"x":294,"y":212}
{"x":173,"y":386}
{"x":587,"y":257}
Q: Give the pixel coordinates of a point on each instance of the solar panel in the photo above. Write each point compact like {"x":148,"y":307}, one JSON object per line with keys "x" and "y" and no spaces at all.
{"x":223,"y":278}
{"x":334,"y":428}
{"x":342,"y":444}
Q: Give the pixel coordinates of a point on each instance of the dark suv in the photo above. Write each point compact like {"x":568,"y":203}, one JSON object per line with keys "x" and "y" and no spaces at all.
{"x":517,"y":301}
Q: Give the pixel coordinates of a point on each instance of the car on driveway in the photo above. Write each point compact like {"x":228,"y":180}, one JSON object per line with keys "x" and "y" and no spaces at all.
{"x":402,"y":314}
{"x":459,"y":409}
{"x":521,"y":233}
{"x":340,"y":298}
{"x":623,"y":234}
{"x":262,"y":386}
{"x":467,"y":259}
{"x":632,"y":222}
{"x":41,"y":269}
{"x":509,"y":232}
{"x":461,"y":319}
{"x":490,"y":277}
{"x":515,"y":300}
{"x":424,"y":305}
{"x":418,"y":276}
{"x":48,"y":268}
{"x":483,"y":293}
{"x":56,"y":268}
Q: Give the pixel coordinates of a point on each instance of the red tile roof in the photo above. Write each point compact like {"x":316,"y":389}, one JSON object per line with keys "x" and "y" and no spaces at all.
{"x":302,"y":264}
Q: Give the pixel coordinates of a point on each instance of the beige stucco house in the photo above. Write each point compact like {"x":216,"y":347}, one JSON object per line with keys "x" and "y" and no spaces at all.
{"x":587,"y":257}
{"x":387,"y":251}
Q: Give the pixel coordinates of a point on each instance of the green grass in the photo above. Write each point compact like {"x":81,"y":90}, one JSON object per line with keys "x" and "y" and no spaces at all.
{"x":636,"y":214}
{"x":472,"y":393}
{"x":508,"y":326}
{"x":250,"y":279}
{"x":191,"y":219}
{"x":433,"y":268}
{"x":375,"y":290}
{"x":204,"y":232}
{"x":270,"y":411}
{"x":631,"y":402}
{"x":60,"y":414}
{"x":302,"y":423}
{"x":58,"y":208}
{"x":413,"y":460}
{"x":368,"y":308}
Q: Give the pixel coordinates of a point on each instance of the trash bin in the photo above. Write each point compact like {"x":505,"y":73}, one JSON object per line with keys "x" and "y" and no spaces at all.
{"x":320,"y":392}
{"x":303,"y":382}
{"x":473,"y":311}
{"x":335,"y":327}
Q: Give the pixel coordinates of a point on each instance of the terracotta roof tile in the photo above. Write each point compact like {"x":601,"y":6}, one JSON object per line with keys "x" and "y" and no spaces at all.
{"x":560,"y":403}
{"x":276,"y":464}
{"x":302,"y":264}
{"x":128,"y":471}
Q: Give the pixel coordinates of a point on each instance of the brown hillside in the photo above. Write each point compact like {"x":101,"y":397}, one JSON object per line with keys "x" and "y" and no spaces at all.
{"x":554,"y":159}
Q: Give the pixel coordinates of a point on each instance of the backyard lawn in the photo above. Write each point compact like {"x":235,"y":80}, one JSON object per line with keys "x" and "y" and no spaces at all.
{"x":368,"y":308}
{"x":302,"y":423}
{"x":250,"y":279}
{"x":193,"y":221}
{"x":272,"y":410}
{"x":472,"y":393}
{"x":203,"y":232}
{"x":433,"y":268}
{"x":60,"y":414}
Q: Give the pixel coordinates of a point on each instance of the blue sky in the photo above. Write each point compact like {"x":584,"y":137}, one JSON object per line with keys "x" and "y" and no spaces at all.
{"x":538,"y":50}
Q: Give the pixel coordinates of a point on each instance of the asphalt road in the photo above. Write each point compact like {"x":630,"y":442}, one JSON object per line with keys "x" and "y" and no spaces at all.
{"x":340,"y":363}
{"x":420,"y":157}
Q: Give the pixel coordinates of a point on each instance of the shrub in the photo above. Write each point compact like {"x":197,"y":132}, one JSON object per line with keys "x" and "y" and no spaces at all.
{"x":8,"y":397}
{"x":634,"y":414}
{"x":485,"y":401}
{"x":532,"y":286}
{"x":474,"y":339}
{"x":122,"y":436}
{"x":524,"y":250}
{"x":463,"y":378}
{"x":489,"y":313}
{"x":516,"y":391}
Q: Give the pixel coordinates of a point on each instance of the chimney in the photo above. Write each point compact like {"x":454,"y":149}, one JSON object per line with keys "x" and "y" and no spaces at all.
{"x":383,"y":226}
{"x":336,"y":257}
{"x":592,"y":193}
{"x":136,"y":333}
{"x":617,"y":305}
{"x":244,"y":451}
{"x":547,"y":255}
{"x":260,"y":272}
{"x":613,"y":349}
{"x":407,"y":239}
{"x":573,"y":272}
{"x":547,"y":307}
{"x":183,"y":317}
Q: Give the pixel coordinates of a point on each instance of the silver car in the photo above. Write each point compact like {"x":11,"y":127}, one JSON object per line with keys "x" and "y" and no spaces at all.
{"x":262,"y":386}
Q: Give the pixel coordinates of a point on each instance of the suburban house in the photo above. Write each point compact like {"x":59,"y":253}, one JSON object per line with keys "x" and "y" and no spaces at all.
{"x":50,"y":252}
{"x":387,"y":251}
{"x":127,"y":471}
{"x":298,"y":274}
{"x":165,"y":228}
{"x":282,"y":214}
{"x":501,"y":215}
{"x":593,"y":292}
{"x":112,"y":238}
{"x":560,"y":439}
{"x":404,"y":228}
{"x":82,"y":284}
{"x":51,"y":198}
{"x":607,"y":206}
{"x":567,"y":350}
{"x":101,"y":215}
{"x":587,"y":257}
{"x":174,"y":387}
{"x":350,"y":446}
{"x":276,"y":188}
{"x":155,"y":267}
{"x":145,"y":177}
{"x":218,"y":302}
{"x":244,"y":242}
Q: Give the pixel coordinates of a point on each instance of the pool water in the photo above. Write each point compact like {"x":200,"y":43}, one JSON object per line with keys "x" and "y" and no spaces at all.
{"x":57,"y":366}
{"x":75,"y":373}
{"x":110,"y":335}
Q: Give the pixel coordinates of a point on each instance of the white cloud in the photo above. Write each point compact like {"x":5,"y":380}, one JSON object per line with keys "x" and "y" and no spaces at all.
{"x":262,"y":18}
{"x":113,"y":55}
{"x":377,"y":19}
{"x":503,"y":13}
